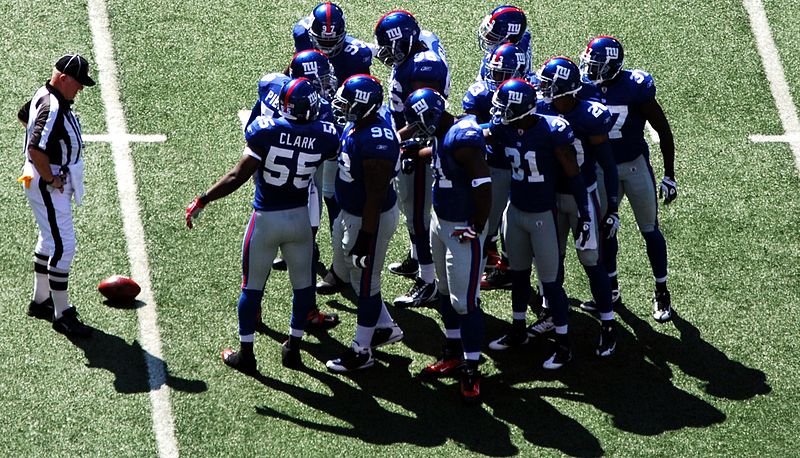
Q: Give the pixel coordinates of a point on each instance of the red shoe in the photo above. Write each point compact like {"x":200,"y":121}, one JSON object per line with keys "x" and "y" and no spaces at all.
{"x":322,"y":320}
{"x":471,"y":386}
{"x":492,"y":260}
{"x":444,"y":367}
{"x":499,"y":278}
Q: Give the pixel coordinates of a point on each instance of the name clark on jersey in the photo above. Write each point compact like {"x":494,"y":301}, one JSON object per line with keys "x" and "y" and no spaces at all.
{"x":296,"y":140}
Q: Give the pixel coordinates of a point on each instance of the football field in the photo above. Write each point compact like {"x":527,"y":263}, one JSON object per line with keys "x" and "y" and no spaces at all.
{"x":162,"y":125}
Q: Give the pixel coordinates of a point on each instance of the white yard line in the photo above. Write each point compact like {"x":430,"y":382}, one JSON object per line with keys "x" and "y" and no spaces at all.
{"x":775,"y":74}
{"x":163,"y":423}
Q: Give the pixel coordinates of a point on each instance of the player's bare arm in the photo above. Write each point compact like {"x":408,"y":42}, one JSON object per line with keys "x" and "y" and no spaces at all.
{"x":654,"y":114}
{"x":377,"y":179}
{"x":474,"y":163}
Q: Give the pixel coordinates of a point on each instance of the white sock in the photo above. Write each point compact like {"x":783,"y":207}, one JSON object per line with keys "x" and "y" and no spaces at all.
{"x":363,"y":340}
{"x":60,"y":302}
{"x":453,"y":333}
{"x":296,"y":332}
{"x":519,"y":315}
{"x":472,"y":356}
{"x":385,"y":319}
{"x":41,"y":287}
{"x":247,"y":338}
{"x":562,"y":329}
{"x":413,"y":251}
{"x":607,"y":316}
{"x":427,"y":273}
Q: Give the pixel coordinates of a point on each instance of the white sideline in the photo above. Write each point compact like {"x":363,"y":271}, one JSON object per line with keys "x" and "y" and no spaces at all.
{"x":163,"y":423}
{"x":777,"y":81}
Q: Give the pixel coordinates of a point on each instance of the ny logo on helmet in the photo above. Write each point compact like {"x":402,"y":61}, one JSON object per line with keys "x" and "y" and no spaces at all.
{"x":394,"y":33}
{"x":514,"y":97}
{"x":521,"y":58}
{"x":362,"y":96}
{"x":420,"y":106}
{"x":310,"y":68}
{"x":313,"y":98}
{"x":514,"y":28}
{"x":562,"y":72}
{"x":612,"y":53}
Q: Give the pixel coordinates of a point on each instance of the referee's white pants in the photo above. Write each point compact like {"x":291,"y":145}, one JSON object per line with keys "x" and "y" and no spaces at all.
{"x":53,"y":212}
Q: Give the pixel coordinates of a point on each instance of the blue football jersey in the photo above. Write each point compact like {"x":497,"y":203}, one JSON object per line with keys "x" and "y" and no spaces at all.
{"x":452,"y":188}
{"x":533,"y":162}
{"x":478,"y":101}
{"x":290,"y":153}
{"x":623,"y":97}
{"x":354,"y":58}
{"x":374,"y":141}
{"x":587,"y":119}
{"x":524,"y":44}
{"x":426,"y":66}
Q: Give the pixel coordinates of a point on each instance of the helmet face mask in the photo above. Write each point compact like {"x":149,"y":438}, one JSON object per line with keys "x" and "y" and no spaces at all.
{"x":559,"y":76}
{"x":358,"y":97}
{"x":602,"y":60}
{"x":512,"y":101}
{"x":507,"y":61}
{"x":299,"y":101}
{"x":327,"y":31}
{"x":314,"y":66}
{"x":504,"y":23}
{"x":423,"y":110}
{"x":395,"y":35}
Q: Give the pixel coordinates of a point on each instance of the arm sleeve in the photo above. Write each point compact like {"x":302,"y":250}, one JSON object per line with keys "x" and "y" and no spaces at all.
{"x":23,"y":112}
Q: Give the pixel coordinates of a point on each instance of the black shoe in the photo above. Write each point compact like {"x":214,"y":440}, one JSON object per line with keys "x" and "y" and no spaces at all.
{"x":471,"y":386}
{"x":290,"y":357}
{"x":512,"y":339}
{"x":591,"y":306}
{"x":240,"y":362}
{"x":351,"y":360}
{"x":419,"y":294}
{"x":278,"y":264}
{"x":70,"y":325}
{"x":608,"y":340}
{"x":408,"y":268}
{"x":386,"y":336}
{"x":541,"y":326}
{"x":561,"y":355}
{"x":43,"y":311}
{"x":331,"y":284}
{"x":499,"y":278}
{"x":662,"y":307}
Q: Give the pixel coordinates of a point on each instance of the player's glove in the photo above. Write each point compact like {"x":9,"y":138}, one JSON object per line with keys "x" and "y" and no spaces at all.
{"x":409,"y":150}
{"x":584,"y":241}
{"x":611,"y":224}
{"x":465,"y":233}
{"x":193,"y":211}
{"x":360,"y":251}
{"x":668,"y":190}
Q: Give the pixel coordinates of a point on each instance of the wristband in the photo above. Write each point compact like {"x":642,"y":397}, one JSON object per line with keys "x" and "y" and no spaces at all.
{"x":203,"y":199}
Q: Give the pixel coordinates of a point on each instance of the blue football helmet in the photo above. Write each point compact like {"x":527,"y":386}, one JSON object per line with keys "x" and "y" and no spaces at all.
{"x":507,"y":61}
{"x":358,"y":97}
{"x":504,"y":23}
{"x":602,"y":60}
{"x":315,"y":66}
{"x":559,"y":76}
{"x":299,"y":101}
{"x":423,"y":109}
{"x":395,"y":34}
{"x":513,"y":100}
{"x":327,"y":32}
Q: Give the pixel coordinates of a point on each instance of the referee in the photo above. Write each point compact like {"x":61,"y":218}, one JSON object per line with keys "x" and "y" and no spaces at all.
{"x":52,"y":177}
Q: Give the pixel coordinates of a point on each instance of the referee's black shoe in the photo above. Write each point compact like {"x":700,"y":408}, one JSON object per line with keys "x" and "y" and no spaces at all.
{"x":43,"y":310}
{"x":70,"y":325}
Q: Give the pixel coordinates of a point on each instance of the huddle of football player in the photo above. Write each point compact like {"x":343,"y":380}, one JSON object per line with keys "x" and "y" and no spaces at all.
{"x":538,"y":154}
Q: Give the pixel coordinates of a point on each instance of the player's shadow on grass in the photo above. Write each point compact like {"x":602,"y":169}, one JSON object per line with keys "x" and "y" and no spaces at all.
{"x":128,"y":363}
{"x":423,"y":412}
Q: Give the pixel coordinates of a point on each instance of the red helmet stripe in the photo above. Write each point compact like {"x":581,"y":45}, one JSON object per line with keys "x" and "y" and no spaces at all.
{"x":505,"y":10}
{"x":391,"y":12}
{"x":328,"y":17}
{"x":291,"y":89}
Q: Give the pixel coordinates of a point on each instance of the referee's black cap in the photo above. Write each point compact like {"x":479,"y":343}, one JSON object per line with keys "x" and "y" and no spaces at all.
{"x":75,"y":66}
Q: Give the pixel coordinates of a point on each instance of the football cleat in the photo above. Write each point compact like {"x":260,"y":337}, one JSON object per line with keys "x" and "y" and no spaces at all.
{"x":408,"y":268}
{"x":492,"y":260}
{"x":662,"y":307}
{"x":322,"y":320}
{"x":561,"y":355}
{"x":470,"y":386}
{"x":420,"y":294}
{"x":43,"y":310}
{"x":240,"y":362}
{"x":331,"y":284}
{"x":608,"y":340}
{"x":70,"y":325}
{"x":445,"y":367}
{"x":541,"y":326}
{"x":386,"y":335}
{"x":512,"y":339}
{"x":499,"y":278}
{"x":279,"y":264}
{"x":351,"y":360}
{"x":591,"y":306}
{"x":290,"y":357}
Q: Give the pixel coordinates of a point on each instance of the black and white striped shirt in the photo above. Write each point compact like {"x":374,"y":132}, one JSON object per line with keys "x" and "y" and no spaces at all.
{"x":52,"y":127}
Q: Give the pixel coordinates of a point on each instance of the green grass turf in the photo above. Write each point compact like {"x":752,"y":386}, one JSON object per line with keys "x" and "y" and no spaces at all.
{"x":186,"y":67}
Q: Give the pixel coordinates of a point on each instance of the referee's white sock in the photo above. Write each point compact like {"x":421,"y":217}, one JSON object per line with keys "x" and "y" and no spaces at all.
{"x":41,"y":283}
{"x":58,"y":290}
